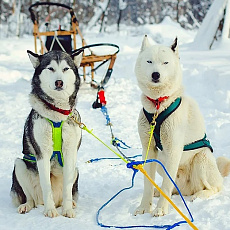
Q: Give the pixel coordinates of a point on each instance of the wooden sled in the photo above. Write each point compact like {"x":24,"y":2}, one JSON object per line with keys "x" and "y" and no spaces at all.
{"x":64,"y":39}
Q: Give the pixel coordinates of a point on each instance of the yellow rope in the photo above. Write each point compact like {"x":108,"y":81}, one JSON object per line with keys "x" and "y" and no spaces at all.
{"x":152,"y":127}
{"x":139,"y":167}
{"x":90,"y":131}
{"x":83,"y":126}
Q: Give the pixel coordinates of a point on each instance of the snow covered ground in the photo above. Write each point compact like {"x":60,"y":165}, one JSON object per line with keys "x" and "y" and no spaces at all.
{"x":206,"y":78}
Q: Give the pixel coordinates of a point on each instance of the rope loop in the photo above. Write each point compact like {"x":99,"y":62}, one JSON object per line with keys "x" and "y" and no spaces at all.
{"x":136,"y":166}
{"x":117,"y":142}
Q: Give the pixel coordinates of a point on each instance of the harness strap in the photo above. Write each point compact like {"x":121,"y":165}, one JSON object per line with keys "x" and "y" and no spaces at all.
{"x":57,"y":144}
{"x":199,"y":144}
{"x":57,"y":141}
{"x":29,"y":157}
{"x":159,"y":120}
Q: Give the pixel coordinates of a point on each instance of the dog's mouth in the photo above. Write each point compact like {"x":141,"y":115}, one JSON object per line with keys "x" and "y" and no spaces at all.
{"x":58,"y":89}
{"x":156,"y":81}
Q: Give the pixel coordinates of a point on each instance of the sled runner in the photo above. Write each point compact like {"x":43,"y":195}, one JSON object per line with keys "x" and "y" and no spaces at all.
{"x":65,"y":38}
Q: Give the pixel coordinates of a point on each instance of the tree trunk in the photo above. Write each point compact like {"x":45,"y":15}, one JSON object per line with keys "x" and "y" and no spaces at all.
{"x":177,"y":10}
{"x":18,"y":12}
{"x":119,"y":20}
{"x":98,"y":13}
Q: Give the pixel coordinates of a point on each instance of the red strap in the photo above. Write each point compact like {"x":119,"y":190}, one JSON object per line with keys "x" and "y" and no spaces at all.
{"x":158,"y":101}
{"x":101,"y":95}
{"x":62,"y":111}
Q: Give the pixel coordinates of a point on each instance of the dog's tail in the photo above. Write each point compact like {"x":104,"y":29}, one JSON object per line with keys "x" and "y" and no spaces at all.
{"x":223,"y":164}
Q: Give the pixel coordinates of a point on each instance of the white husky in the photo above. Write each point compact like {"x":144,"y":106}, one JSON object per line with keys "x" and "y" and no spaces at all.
{"x":186,"y":153}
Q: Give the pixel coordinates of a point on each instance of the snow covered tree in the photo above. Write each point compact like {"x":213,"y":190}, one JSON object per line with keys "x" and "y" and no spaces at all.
{"x":189,"y":13}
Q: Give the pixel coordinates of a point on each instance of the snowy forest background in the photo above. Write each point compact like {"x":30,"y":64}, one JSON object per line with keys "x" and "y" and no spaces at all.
{"x":15,"y":18}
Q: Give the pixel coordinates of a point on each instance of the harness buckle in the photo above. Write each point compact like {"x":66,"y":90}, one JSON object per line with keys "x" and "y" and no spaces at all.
{"x":80,"y":124}
{"x":153,"y":122}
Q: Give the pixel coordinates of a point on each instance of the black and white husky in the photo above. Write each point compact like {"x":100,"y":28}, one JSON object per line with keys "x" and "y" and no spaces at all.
{"x":47,"y":174}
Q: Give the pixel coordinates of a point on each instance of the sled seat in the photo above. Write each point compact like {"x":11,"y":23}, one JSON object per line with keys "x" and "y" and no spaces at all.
{"x":65,"y":43}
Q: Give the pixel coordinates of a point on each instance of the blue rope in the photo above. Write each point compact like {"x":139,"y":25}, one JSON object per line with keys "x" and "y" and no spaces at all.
{"x":105,"y":113}
{"x":116,"y":142}
{"x":167,"y":227}
{"x":157,"y":161}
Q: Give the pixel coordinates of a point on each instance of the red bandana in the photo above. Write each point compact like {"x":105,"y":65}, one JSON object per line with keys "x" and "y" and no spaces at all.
{"x":62,"y":111}
{"x":158,"y":101}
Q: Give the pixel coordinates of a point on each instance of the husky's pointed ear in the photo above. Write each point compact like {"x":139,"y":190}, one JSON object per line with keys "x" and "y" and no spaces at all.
{"x":145,"y":43}
{"x":174,"y":46}
{"x":34,"y":58}
{"x":77,"y":57}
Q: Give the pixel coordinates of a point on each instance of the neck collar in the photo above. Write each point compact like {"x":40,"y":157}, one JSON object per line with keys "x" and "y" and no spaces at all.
{"x":62,"y":111}
{"x":158,"y":101}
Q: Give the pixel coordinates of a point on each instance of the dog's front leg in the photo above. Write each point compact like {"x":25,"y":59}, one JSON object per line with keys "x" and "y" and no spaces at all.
{"x":147,"y":198}
{"x":43,"y":143}
{"x":44,"y":175}
{"x":172,"y":160}
{"x":69,"y":176}
{"x":144,"y":133}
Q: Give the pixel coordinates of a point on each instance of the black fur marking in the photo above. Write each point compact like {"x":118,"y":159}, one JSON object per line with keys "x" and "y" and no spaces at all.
{"x":29,"y":143}
{"x":174,"y":45}
{"x":16,"y":188}
{"x":75,"y":186}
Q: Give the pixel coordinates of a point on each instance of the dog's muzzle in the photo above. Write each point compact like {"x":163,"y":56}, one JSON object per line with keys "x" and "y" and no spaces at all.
{"x":155,"y":77}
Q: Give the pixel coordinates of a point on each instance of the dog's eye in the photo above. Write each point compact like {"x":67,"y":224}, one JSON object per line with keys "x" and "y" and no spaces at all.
{"x":65,"y":69}
{"x":165,"y":63}
{"x":149,"y":61}
{"x":51,"y":69}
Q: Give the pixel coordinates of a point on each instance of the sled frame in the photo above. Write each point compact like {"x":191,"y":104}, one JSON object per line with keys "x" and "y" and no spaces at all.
{"x":87,"y":60}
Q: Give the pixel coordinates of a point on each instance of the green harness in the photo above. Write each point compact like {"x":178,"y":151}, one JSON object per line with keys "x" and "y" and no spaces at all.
{"x":159,"y":120}
{"x":57,"y":143}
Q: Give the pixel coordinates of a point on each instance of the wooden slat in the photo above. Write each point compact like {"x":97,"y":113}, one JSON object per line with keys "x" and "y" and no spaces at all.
{"x":52,"y":33}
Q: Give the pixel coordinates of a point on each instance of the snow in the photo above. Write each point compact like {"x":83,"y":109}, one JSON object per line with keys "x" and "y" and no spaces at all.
{"x":206,"y":78}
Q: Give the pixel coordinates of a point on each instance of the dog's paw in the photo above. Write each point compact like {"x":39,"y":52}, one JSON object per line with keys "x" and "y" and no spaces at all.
{"x":160,"y":211}
{"x":204,"y":194}
{"x":51,"y":213}
{"x":69,"y":213}
{"x":142,"y":209}
{"x":193,"y":197}
{"x":24,"y":208}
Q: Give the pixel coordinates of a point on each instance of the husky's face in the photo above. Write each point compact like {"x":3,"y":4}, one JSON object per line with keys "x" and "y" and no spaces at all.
{"x":158,"y":69}
{"x":56,"y":75}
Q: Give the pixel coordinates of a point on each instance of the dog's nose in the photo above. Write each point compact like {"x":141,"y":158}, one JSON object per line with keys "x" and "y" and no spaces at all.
{"x":59,"y":84}
{"x":155,"y":76}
